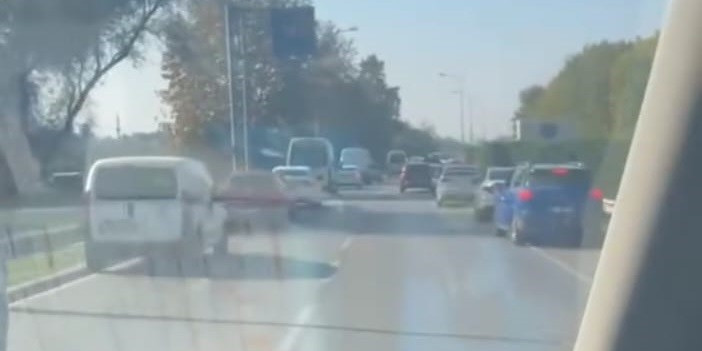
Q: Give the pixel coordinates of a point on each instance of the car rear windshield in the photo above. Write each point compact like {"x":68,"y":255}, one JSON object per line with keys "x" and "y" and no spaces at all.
{"x":500,"y":174}
{"x":418,"y":169}
{"x":461,"y":172}
{"x":559,"y":177}
{"x":398,"y":158}
{"x":128,"y":183}
{"x":294,"y":173}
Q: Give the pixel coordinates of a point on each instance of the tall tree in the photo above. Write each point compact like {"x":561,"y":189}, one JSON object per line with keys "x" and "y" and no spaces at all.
{"x":57,"y":51}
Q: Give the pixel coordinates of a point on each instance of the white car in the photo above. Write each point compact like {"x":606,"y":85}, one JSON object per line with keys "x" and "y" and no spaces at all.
{"x":495,"y":178}
{"x":300,"y":185}
{"x":485,"y":199}
{"x":156,"y":206}
{"x":457,"y":183}
{"x":349,"y":176}
{"x":255,"y":199}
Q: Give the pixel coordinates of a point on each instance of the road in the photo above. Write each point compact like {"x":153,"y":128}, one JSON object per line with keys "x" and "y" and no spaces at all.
{"x":373,"y":271}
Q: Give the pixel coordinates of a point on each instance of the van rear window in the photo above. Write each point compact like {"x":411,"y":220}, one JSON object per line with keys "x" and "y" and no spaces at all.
{"x":135,"y":183}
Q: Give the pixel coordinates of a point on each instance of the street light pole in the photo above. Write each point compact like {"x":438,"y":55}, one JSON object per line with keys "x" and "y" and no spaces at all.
{"x":461,"y":96}
{"x":463,"y":127}
{"x":230,"y":83}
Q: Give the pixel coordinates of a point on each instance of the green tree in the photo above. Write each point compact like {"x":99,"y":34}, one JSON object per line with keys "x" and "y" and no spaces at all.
{"x":54,"y":52}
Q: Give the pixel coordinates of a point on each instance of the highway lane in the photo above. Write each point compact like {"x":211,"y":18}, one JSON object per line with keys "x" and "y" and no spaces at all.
{"x":375,"y":271}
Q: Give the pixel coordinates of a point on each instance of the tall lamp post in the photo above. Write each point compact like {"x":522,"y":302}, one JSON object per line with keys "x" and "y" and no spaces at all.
{"x":460,"y":80}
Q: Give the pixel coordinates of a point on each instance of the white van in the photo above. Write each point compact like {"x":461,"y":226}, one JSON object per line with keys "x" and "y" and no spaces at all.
{"x":150,"y":205}
{"x":361,"y":159}
{"x":318,"y":155}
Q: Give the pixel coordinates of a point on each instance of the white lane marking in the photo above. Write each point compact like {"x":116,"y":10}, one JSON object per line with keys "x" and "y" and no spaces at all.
{"x":572,"y":271}
{"x":75,"y":282}
{"x":293,"y":335}
{"x":333,"y":203}
{"x":291,"y":338}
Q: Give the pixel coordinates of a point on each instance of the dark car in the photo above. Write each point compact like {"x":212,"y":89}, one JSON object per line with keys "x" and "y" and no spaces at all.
{"x":545,"y":204}
{"x":416,"y":176}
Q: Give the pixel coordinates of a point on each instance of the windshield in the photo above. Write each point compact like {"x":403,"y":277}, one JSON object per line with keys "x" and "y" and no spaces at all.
{"x":294,"y":173}
{"x":398,"y":158}
{"x":135,"y":183}
{"x":322,"y":136}
{"x":461,"y":172}
{"x":309,"y":155}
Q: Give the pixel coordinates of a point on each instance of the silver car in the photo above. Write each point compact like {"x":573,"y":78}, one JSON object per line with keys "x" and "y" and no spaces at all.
{"x":456,"y":184}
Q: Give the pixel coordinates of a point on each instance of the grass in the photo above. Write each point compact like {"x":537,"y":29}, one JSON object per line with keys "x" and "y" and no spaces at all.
{"x":28,"y":268}
{"x":24,"y":221}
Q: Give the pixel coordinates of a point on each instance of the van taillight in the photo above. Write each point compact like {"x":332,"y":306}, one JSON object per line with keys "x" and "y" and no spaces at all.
{"x":525,"y":195}
{"x":596,"y":194}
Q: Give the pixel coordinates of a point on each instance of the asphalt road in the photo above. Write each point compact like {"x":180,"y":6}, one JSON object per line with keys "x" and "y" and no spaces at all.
{"x":374,"y":270}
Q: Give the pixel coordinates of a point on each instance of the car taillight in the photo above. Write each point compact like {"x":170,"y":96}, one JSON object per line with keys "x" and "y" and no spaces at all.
{"x":561,"y":172}
{"x":596,"y":194}
{"x":525,"y":195}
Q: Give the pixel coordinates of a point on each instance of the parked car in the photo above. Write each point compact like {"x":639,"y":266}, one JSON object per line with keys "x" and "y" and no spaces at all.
{"x":300,"y":185}
{"x":544,"y":204}
{"x":255,"y":199}
{"x":416,"y":176}
{"x":349,"y":176}
{"x":457,"y":183}
{"x":160,"y":206}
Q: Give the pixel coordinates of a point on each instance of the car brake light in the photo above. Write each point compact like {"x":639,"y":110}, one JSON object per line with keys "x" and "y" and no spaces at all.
{"x":561,"y":172}
{"x":596,"y":194}
{"x":525,"y":195}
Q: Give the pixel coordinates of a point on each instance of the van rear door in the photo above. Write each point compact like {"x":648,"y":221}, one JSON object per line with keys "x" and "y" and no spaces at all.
{"x":135,"y":204}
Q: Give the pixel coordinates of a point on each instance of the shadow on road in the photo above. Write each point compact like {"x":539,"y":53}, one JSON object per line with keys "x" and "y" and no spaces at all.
{"x":366,"y":195}
{"x":223,"y":267}
{"x":387,"y":219}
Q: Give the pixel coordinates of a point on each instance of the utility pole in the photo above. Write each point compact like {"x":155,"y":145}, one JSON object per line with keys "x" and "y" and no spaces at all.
{"x":118,"y":127}
{"x":461,"y":92}
{"x":244,"y":89}
{"x":230,"y":83}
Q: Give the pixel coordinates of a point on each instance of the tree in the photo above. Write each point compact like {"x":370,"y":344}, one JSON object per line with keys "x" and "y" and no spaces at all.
{"x":54,"y":52}
{"x":599,"y":90}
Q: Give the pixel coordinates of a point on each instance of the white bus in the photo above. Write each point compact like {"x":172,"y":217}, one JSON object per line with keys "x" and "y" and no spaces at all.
{"x":318,"y":155}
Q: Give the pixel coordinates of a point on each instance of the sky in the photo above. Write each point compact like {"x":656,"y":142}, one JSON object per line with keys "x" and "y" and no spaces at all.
{"x":499,"y":47}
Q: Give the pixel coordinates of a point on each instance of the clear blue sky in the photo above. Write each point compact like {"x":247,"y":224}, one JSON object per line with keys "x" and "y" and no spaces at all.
{"x":499,"y":46}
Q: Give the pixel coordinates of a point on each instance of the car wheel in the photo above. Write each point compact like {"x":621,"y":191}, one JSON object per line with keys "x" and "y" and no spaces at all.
{"x":515,"y":235}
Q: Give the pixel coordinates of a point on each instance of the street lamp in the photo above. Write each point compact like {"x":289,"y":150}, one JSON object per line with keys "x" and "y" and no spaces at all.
{"x":460,"y":80}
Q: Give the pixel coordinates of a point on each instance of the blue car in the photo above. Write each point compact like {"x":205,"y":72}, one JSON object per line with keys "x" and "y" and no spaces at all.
{"x":545,"y":204}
